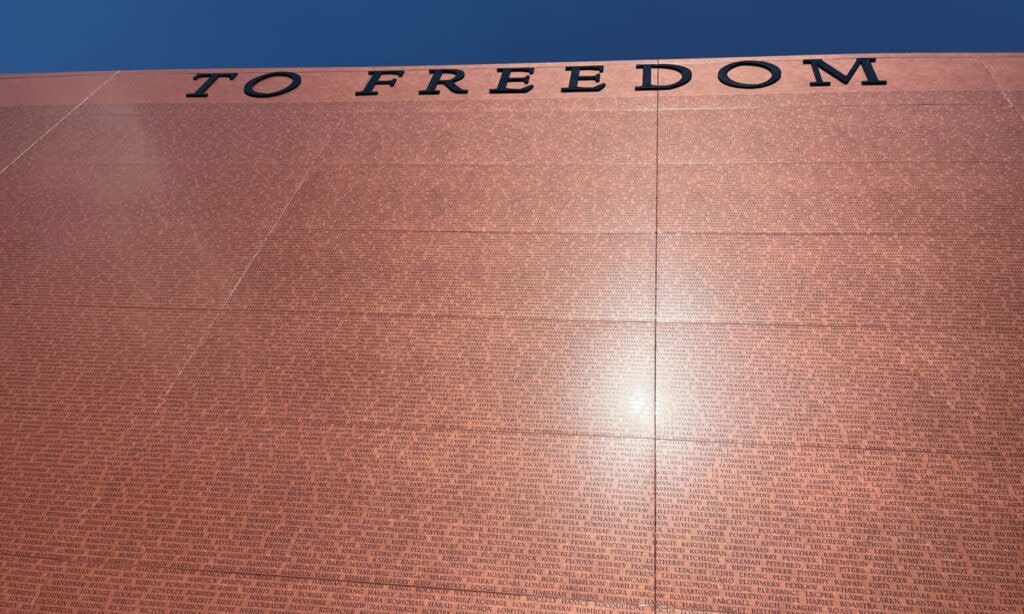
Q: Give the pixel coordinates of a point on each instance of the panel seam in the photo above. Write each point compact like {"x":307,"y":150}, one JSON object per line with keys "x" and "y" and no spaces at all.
{"x":218,"y":313}
{"x":657,"y":138}
{"x":1009,"y":101}
{"x":59,"y":122}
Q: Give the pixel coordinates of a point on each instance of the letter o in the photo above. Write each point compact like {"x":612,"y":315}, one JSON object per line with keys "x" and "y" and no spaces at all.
{"x":250,"y":87}
{"x":774,"y":74}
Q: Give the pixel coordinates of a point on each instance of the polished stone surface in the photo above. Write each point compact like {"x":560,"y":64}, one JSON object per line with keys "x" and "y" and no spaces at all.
{"x":705,"y":350}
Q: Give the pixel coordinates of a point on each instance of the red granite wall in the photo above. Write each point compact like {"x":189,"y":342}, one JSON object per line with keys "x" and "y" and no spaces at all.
{"x":703,"y":349}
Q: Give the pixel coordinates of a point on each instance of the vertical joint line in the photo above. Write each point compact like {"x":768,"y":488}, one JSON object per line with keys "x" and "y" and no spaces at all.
{"x":657,"y":164}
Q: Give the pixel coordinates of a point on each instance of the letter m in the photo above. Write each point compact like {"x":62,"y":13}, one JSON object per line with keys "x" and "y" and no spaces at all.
{"x":866,"y":63}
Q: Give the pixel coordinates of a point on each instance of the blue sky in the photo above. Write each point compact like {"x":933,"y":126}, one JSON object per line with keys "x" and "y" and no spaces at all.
{"x":82,"y":35}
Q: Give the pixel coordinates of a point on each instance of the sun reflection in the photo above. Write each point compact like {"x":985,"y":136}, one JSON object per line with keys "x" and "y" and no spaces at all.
{"x":636,"y":406}
{"x":638,"y":402}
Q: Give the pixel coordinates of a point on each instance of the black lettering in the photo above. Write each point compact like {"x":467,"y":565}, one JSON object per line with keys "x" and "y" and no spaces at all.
{"x":506,"y":78}
{"x":774,"y":74}
{"x":648,"y":85}
{"x":437,"y":78}
{"x":818,"y":65}
{"x":211,"y":78}
{"x":294,"y":81}
{"x":575,"y":77}
{"x":375,"y":80}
